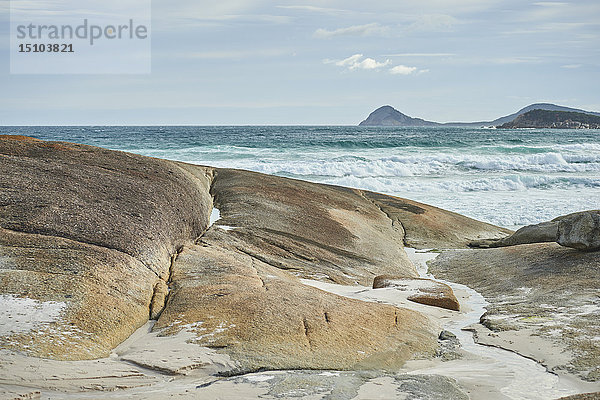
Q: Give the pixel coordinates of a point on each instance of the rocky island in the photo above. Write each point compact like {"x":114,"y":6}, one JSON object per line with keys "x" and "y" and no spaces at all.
{"x":546,"y":115}
{"x":553,"y":119}
{"x":148,"y":278}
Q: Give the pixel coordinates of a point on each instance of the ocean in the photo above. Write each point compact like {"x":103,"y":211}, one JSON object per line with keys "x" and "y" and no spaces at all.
{"x":509,"y":178}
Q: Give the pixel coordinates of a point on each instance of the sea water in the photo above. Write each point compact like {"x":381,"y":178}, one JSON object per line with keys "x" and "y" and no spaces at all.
{"x":509,"y":178}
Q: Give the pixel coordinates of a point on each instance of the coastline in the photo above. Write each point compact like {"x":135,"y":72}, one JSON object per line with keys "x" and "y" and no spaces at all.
{"x":216,"y":291}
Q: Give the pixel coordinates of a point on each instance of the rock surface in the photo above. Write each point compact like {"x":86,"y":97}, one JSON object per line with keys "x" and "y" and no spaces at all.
{"x":94,"y":242}
{"x":580,"y":230}
{"x":87,"y":234}
{"x":424,"y":291}
{"x":264,"y":318}
{"x":313,"y":231}
{"x":429,"y":227}
{"x":550,"y":292}
{"x":537,"y":233}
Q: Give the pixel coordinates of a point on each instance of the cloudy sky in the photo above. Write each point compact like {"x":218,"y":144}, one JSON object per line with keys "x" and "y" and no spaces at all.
{"x":328,"y":62}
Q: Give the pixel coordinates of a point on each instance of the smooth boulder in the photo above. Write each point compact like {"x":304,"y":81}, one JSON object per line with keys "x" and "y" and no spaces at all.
{"x":86,"y":239}
{"x":580,"y":230}
{"x":263,"y":317}
{"x":537,"y":233}
{"x":423,"y":291}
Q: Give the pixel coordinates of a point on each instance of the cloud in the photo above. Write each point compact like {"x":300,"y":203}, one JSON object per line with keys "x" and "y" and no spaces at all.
{"x":515,"y":60}
{"x":433,"y":23}
{"x":235,"y":54}
{"x":421,"y":55}
{"x":571,"y":66}
{"x":357,"y":61}
{"x":373,"y":29}
{"x":402,"y":70}
{"x":322,"y":10}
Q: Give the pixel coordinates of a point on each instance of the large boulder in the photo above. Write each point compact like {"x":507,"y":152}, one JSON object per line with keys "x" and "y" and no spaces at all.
{"x":86,"y":236}
{"x":314,"y":231}
{"x":537,"y":233}
{"x":264,"y":318}
{"x":429,"y":227}
{"x":580,"y":230}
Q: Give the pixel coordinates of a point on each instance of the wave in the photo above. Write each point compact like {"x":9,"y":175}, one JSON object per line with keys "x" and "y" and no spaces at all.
{"x":424,"y":165}
{"x":511,"y":183}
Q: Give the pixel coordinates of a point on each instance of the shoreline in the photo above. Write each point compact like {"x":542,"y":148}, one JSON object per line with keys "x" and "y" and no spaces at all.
{"x":509,"y":375}
{"x":217,"y":262}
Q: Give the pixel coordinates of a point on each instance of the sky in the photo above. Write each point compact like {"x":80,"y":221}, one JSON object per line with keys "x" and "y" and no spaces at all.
{"x":328,"y":62}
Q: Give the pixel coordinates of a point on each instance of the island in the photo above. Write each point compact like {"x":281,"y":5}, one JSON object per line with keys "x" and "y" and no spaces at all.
{"x":389,"y":116}
{"x":553,"y":119}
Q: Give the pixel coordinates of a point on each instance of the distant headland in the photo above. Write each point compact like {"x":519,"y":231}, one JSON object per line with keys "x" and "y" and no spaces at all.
{"x":572,"y":118}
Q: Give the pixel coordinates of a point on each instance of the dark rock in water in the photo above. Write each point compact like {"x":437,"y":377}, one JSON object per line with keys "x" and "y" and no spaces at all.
{"x":583,"y":396}
{"x":580,"y":230}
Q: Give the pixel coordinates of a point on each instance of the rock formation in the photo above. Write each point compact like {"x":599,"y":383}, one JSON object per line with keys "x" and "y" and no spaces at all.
{"x":104,"y":240}
{"x":423,"y":291}
{"x":541,"y":119}
{"x":94,"y":231}
{"x":580,"y":230}
{"x":544,"y":289}
{"x":389,"y":116}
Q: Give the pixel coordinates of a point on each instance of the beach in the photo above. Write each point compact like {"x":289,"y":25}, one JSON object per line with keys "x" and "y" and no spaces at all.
{"x":230,"y":283}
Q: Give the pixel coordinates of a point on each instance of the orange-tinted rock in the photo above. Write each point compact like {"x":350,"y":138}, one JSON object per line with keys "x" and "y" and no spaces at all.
{"x":423,"y":291}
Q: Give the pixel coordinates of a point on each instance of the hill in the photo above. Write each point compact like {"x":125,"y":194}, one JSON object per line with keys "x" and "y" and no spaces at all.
{"x":389,"y":116}
{"x":554,"y":119}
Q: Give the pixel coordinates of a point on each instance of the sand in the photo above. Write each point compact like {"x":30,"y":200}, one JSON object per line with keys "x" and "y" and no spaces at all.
{"x":147,"y":366}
